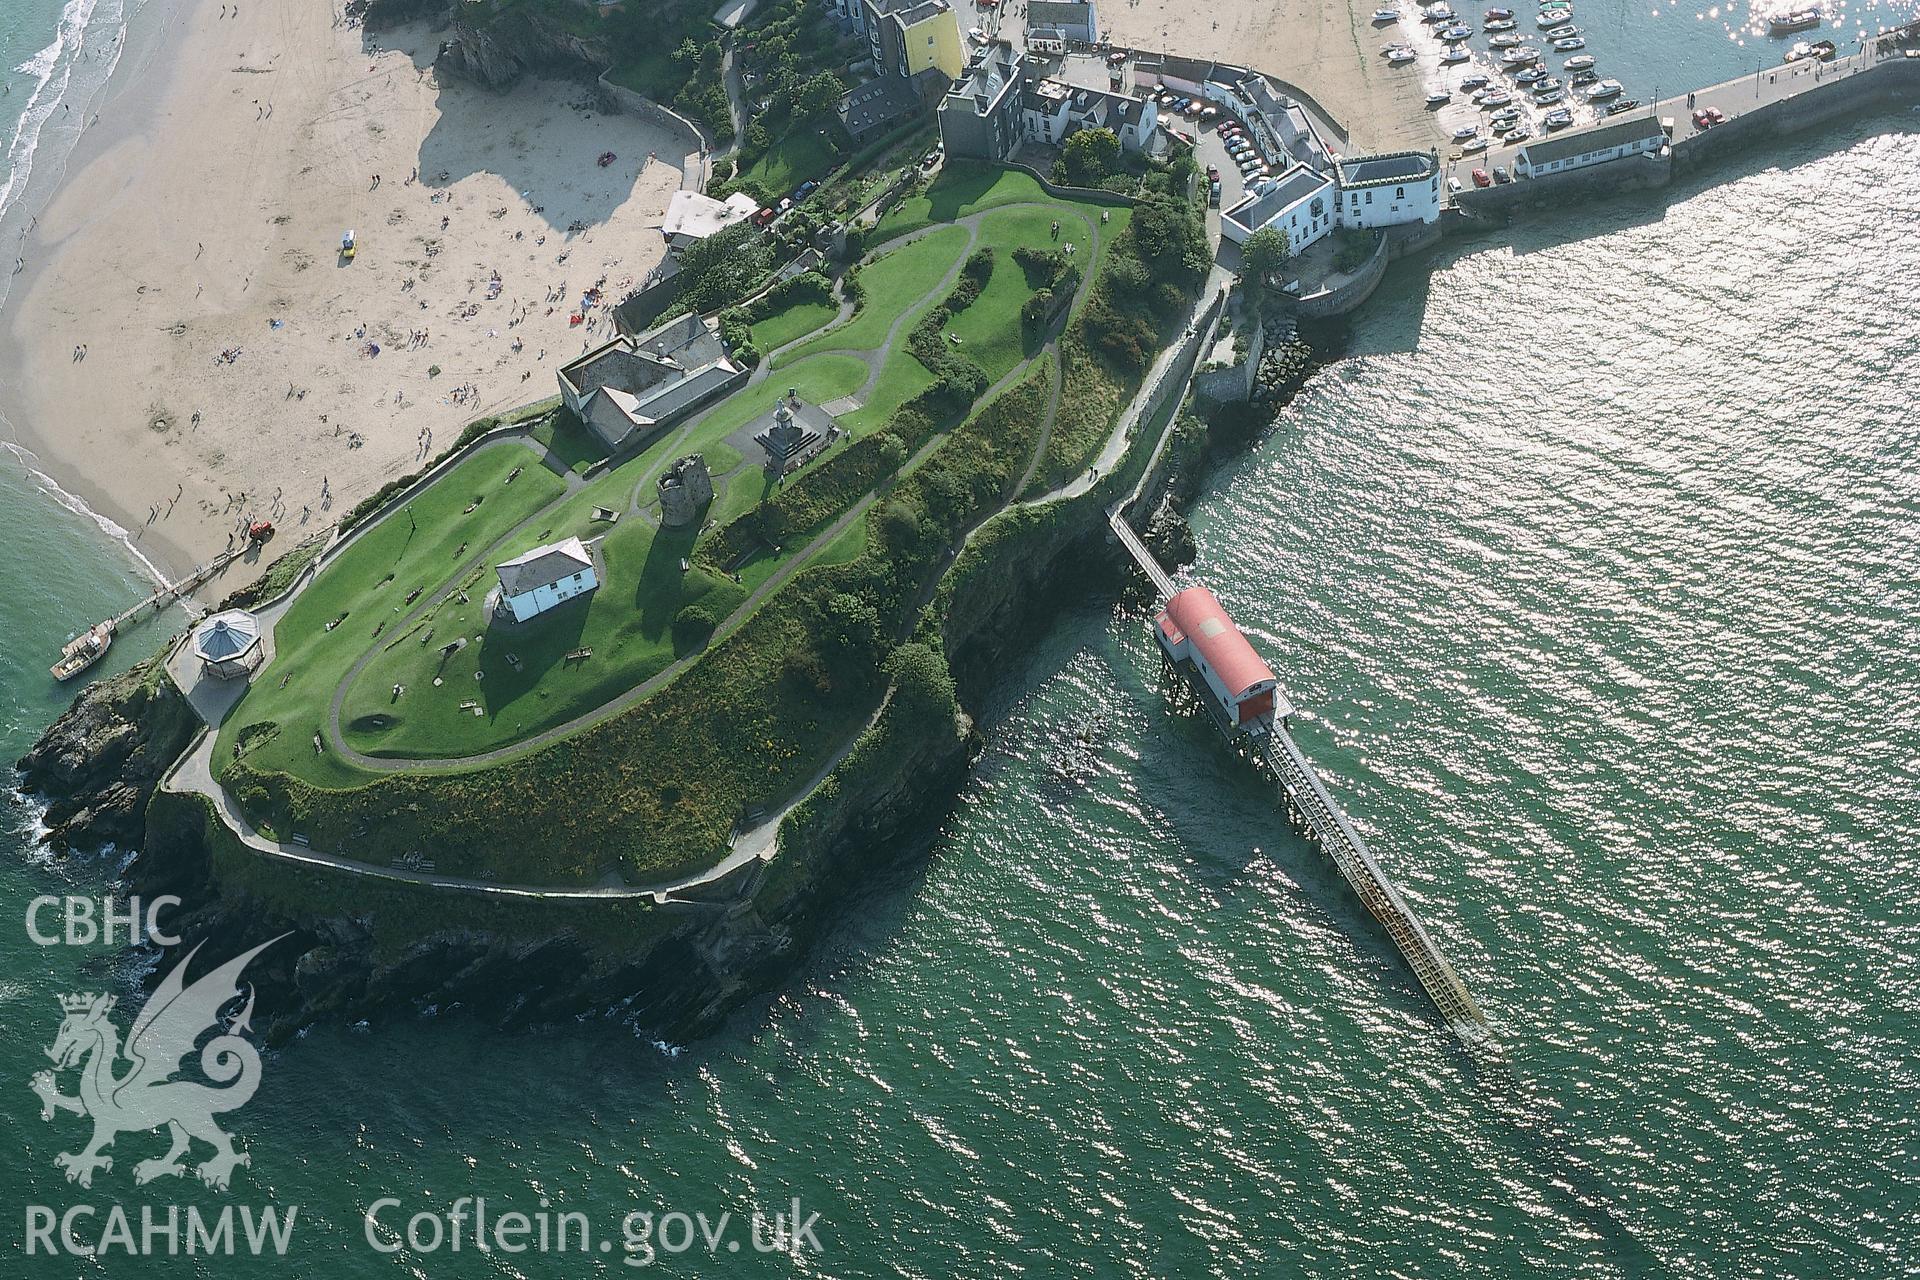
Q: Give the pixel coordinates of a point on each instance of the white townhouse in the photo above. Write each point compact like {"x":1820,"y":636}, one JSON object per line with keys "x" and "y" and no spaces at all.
{"x":544,"y":577}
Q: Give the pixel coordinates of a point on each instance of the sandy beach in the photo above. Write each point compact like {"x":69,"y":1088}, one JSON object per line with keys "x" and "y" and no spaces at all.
{"x":186,"y":346}
{"x":1332,"y":51}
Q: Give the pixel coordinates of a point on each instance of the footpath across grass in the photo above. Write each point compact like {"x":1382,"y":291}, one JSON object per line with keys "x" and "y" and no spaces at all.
{"x":655,"y":788}
{"x":990,"y":329}
{"x":891,"y":286}
{"x":790,"y":324}
{"x":350,"y":605}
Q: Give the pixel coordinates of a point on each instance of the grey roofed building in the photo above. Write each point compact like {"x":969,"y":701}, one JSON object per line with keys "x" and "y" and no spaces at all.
{"x":630,"y":388}
{"x":226,"y":635}
{"x":1296,"y":184}
{"x":980,"y":116}
{"x":543,"y":566}
{"x":1074,"y":19}
{"x":1624,"y":137}
{"x":1055,"y":109}
{"x":871,"y":108}
{"x":1387,"y":170}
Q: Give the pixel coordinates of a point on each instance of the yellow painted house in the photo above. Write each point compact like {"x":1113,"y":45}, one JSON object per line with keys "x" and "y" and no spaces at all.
{"x":907,"y":37}
{"x":930,"y":36}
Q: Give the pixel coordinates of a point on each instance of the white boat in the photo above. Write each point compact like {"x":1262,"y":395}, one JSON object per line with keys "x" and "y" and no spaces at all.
{"x":1454,"y":55}
{"x":1499,"y":24}
{"x":1498,"y":98}
{"x":1579,"y":62}
{"x":1782,"y":24}
{"x":83,"y":651}
{"x":1504,"y":42}
{"x":1604,"y":90}
{"x":1477,"y":80}
{"x":1549,"y":85}
{"x":1519,"y":56}
{"x":1400,"y":55}
{"x":1455,"y":34}
{"x":1473,"y":145}
{"x":1386,"y":15}
{"x":1553,"y":17}
{"x":1439,"y":96}
{"x":1569,"y":44}
{"x":1465,"y":131}
{"x":1558,"y":119}
{"x":1555,"y":94}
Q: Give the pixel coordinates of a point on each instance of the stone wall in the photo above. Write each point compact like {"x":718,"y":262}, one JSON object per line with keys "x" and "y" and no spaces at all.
{"x":1234,"y":383}
{"x":1572,"y":186}
{"x":697,"y":143}
{"x":1356,"y":289}
{"x":1838,"y":97}
{"x":1845,"y":95}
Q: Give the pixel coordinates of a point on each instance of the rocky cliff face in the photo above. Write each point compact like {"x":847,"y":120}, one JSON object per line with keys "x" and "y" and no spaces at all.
{"x":520,"y":967}
{"x":98,"y":764}
{"x":499,"y":51}
{"x":378,"y":15}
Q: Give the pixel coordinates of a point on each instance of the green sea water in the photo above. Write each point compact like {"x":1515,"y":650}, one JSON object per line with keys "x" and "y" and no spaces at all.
{"x":1595,"y":571}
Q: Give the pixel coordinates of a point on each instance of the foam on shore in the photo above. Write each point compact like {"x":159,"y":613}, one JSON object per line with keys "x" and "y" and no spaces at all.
{"x":78,"y":505}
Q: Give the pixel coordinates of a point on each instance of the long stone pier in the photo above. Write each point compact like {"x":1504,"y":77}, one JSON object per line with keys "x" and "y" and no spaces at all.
{"x":1773,"y":100}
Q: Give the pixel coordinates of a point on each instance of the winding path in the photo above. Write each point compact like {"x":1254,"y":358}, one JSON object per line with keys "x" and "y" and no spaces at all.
{"x":874,"y":359}
{"x":193,"y":774}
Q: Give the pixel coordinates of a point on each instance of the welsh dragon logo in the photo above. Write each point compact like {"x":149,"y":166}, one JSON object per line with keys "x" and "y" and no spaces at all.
{"x":145,"y":1095}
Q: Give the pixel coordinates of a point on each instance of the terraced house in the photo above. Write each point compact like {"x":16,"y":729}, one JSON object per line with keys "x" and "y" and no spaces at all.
{"x":907,"y":37}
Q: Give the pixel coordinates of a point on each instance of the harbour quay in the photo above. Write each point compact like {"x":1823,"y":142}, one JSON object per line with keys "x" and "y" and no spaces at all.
{"x":1701,"y":126}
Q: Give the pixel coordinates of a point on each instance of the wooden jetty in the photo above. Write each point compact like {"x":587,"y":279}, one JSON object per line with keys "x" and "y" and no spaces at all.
{"x":92,"y":643}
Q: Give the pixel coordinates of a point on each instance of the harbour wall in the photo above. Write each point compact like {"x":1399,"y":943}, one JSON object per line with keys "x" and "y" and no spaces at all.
{"x":1396,"y":243}
{"x":1846,"y":90}
{"x":1834,"y":97}
{"x":1572,"y":186}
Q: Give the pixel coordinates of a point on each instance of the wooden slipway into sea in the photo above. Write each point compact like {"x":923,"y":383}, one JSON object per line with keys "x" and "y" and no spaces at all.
{"x":1265,"y":737}
{"x":150,"y":606}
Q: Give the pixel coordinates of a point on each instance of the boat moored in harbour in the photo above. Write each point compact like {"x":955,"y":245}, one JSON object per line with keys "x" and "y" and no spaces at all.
{"x":83,"y":651}
{"x":1784,"y":24}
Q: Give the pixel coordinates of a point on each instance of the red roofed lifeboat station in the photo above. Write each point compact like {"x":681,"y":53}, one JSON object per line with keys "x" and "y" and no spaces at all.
{"x":1198,"y":636}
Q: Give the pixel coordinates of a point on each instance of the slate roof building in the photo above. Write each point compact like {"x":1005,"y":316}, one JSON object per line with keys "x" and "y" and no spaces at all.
{"x":631,"y":389}
{"x":1641,"y":135}
{"x":544,"y":577}
{"x":228,"y":645}
{"x":1074,"y":19}
{"x":980,"y":116}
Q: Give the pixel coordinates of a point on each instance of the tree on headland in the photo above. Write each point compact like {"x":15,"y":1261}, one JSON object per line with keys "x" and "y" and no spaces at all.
{"x":1089,"y":156}
{"x":1265,"y":252}
{"x":818,"y":96}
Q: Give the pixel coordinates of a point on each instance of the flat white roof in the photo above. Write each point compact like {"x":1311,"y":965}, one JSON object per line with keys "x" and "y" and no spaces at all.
{"x":698,"y":216}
